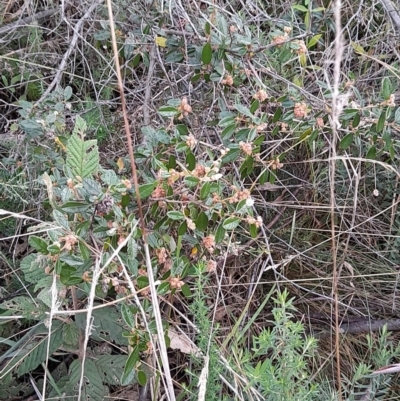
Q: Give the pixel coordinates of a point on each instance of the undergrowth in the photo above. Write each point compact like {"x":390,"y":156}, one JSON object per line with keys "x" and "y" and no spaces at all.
{"x":255,"y":246}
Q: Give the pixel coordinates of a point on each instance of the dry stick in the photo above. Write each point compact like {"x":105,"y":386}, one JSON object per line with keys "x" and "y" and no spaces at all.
{"x":336,"y":110}
{"x":28,"y":20}
{"x":147,"y":93}
{"x":63,"y":64}
{"x":156,"y":308}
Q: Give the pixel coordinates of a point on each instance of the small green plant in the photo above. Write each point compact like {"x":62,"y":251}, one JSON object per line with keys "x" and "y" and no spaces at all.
{"x":205,"y":341}
{"x":277,"y":364}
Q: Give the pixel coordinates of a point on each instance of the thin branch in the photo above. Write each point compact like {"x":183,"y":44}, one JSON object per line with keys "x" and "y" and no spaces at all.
{"x":57,"y":79}
{"x":27,"y":21}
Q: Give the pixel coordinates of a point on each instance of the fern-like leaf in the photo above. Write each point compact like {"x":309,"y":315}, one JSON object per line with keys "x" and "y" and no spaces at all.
{"x":82,"y":156}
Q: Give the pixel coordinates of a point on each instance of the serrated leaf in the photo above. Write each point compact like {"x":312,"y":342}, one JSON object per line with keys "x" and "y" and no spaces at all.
{"x":82,"y":156}
{"x":346,"y":142}
{"x":38,"y":353}
{"x":206,"y":53}
{"x":25,"y":306}
{"x":231,"y":223}
{"x":80,"y":126}
{"x":38,"y":243}
{"x":30,"y":266}
{"x":111,"y":368}
{"x":202,"y":222}
{"x":70,"y":334}
{"x":107,"y":325}
{"x":93,"y":388}
{"x":176,"y":215}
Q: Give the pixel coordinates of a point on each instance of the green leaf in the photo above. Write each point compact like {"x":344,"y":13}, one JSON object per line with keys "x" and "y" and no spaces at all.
{"x":313,"y":41}
{"x":67,"y":276}
{"x":141,"y":377}
{"x":186,"y":291}
{"x":82,"y":156}
{"x":93,"y":388}
{"x":129,"y":370}
{"x":111,"y":368}
{"x":107,"y":325}
{"x":31,"y":268}
{"x":32,"y":128}
{"x":371,"y":154}
{"x":207,"y":29}
{"x":67,"y":93}
{"x":253,"y":231}
{"x":70,"y":334}
{"x":346,"y":142}
{"x":190,"y":161}
{"x":381,"y":122}
{"x":182,"y":228}
{"x":38,"y":243}
{"x":205,"y":190}
{"x":231,"y":156}
{"x":128,"y":316}
{"x":163,"y":288}
{"x":397,"y":116}
{"x":176,"y":215}
{"x":386,"y":88}
{"x":300,"y":8}
{"x":191,"y":181}
{"x":74,"y":207}
{"x":220,"y":233}
{"x":254,"y":106}
{"x":146,"y":190}
{"x":38,"y":353}
{"x":277,"y":115}
{"x":243,"y":110}
{"x":356,"y":120}
{"x":202,"y":222}
{"x":84,"y":251}
{"x":167,"y":111}
{"x":206,"y":53}
{"x":231,"y":223}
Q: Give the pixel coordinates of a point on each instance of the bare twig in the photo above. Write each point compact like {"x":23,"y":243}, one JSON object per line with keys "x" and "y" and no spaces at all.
{"x":26,"y":21}
{"x":156,"y":308}
{"x":57,"y":79}
{"x":335,"y":124}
